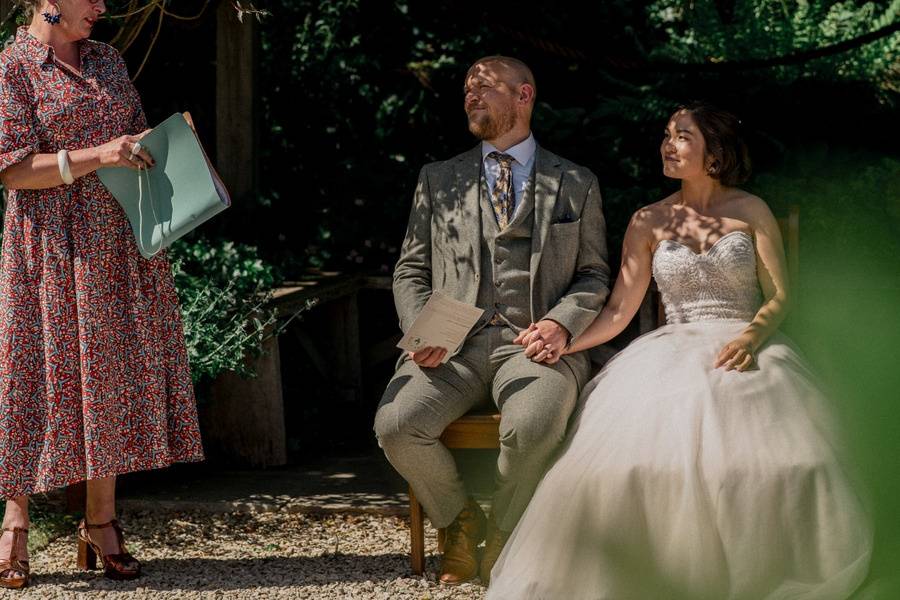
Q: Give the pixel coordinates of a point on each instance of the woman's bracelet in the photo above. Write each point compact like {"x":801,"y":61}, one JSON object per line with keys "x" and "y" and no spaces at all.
{"x":62,"y":160}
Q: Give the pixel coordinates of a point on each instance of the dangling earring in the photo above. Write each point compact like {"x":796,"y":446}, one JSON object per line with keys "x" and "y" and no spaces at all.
{"x":53,"y":19}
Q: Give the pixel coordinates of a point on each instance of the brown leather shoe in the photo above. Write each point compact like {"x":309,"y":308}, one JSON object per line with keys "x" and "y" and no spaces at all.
{"x":496,"y":539}
{"x":460,"y":562}
{"x":14,"y":572}
{"x":120,"y":566}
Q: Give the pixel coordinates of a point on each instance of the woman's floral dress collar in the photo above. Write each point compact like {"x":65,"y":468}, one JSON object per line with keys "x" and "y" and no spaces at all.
{"x":36,"y":50}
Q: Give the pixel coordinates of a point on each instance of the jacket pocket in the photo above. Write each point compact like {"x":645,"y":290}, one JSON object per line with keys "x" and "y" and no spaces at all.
{"x":565,"y":235}
{"x":563,"y":226}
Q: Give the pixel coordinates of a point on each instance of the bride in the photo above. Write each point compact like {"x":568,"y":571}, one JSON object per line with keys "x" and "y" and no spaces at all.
{"x":703,"y":463}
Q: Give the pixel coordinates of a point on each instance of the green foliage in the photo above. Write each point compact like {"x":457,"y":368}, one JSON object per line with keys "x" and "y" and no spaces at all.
{"x":48,"y":522}
{"x":223,"y":288}
{"x":358,"y":96}
{"x":849,"y":203}
{"x":700,"y":31}
{"x":847,"y":320}
{"x":343,"y":119}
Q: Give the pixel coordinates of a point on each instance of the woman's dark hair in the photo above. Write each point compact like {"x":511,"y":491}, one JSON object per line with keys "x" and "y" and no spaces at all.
{"x":721,"y":131}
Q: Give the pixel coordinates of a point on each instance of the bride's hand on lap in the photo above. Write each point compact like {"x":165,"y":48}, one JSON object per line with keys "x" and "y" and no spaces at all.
{"x":737,"y":354}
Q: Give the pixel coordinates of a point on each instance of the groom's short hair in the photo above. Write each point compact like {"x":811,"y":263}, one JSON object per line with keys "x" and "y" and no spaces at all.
{"x":515,"y":65}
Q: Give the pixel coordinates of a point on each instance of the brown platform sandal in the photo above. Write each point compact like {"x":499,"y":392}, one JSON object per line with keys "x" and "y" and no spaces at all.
{"x":12,"y":565}
{"x":121,"y":566}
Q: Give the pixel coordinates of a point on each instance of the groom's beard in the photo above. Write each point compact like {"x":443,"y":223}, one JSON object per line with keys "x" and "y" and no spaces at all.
{"x":487,"y":126}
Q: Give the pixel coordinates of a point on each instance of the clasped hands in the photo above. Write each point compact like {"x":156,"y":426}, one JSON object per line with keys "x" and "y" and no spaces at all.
{"x":545,"y":341}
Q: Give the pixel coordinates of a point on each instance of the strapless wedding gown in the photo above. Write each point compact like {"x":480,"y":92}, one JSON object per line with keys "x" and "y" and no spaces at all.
{"x":679,"y":480}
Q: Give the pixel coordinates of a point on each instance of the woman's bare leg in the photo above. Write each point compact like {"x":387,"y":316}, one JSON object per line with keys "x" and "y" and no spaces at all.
{"x":101,"y":508}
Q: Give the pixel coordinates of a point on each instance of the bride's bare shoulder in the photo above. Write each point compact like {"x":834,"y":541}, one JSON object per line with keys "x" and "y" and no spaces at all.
{"x":655,"y":214}
{"x":646,"y":221}
{"x":751,"y":208}
{"x":745,"y":198}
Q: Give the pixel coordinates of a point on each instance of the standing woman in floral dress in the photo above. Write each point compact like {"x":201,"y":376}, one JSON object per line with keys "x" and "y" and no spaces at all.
{"x":94,"y":377}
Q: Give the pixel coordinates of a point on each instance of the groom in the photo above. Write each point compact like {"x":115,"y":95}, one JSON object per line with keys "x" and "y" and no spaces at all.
{"x":517,"y":231}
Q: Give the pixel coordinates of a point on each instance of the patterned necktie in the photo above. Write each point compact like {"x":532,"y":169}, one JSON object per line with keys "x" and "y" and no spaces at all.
{"x":502,"y":197}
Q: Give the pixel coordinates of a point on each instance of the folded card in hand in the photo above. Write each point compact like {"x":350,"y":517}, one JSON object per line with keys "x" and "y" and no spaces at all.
{"x":168,"y":200}
{"x":442,"y":323}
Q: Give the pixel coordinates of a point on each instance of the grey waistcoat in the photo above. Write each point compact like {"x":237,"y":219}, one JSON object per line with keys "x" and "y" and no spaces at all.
{"x":505,"y":285}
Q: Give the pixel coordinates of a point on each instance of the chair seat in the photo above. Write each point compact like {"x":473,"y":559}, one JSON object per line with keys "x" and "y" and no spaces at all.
{"x":474,"y":430}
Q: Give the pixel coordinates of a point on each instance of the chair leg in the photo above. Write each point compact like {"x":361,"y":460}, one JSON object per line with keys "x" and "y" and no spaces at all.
{"x":416,"y":534}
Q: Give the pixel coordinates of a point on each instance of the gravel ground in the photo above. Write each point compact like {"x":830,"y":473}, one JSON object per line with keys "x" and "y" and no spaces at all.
{"x":266,"y":555}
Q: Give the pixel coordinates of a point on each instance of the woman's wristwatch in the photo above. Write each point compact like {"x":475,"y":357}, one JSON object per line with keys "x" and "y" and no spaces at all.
{"x":62,"y":160}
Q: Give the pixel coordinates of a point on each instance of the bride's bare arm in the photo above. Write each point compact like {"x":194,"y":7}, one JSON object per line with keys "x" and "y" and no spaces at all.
{"x":623,"y":303}
{"x":631,"y":285}
{"x":771,"y":269}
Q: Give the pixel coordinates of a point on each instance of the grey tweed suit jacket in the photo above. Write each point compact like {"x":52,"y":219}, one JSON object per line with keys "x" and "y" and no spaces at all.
{"x":442,"y":247}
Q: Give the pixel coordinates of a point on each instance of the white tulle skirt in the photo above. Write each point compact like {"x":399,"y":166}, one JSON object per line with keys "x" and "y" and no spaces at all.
{"x":683,"y":481}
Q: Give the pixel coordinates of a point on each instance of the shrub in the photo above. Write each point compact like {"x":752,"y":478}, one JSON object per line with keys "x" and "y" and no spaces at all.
{"x":224,"y":289}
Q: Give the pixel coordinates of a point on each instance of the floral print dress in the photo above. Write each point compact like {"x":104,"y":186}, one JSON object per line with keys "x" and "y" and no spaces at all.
{"x":94,"y":377}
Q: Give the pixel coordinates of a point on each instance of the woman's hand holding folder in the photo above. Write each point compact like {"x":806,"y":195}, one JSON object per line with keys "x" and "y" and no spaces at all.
{"x":120,"y":152}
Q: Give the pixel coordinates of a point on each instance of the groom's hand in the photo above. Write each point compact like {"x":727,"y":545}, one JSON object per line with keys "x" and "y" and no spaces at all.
{"x":544,"y":341}
{"x":428,"y":357}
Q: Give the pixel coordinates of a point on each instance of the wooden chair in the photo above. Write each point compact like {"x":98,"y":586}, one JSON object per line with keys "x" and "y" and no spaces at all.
{"x":481,"y":430}
{"x":790,"y":231}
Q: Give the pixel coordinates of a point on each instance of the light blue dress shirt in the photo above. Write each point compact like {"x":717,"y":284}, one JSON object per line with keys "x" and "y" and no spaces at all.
{"x":523,"y":153}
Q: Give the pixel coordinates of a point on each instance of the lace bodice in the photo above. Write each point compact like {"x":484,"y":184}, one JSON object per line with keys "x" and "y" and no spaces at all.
{"x":721,"y":283}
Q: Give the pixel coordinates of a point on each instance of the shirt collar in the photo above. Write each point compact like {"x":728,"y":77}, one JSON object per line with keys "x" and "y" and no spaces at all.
{"x":37,"y":50}
{"x":32,"y":47}
{"x":522,"y":152}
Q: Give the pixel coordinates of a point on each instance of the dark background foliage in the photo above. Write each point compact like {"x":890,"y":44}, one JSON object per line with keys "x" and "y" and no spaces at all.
{"x":355,"y":96}
{"x":358,"y":95}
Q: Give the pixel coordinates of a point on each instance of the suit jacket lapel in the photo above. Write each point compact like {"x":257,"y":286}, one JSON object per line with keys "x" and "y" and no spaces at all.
{"x":468,"y":185}
{"x":547,"y":177}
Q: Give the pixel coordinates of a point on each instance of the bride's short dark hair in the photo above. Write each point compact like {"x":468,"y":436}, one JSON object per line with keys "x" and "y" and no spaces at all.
{"x":721,"y":131}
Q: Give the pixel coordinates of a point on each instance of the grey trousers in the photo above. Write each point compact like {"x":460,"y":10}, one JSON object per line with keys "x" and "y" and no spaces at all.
{"x":535,"y":403}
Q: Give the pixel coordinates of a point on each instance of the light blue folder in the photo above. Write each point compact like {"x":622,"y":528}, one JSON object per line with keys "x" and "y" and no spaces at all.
{"x":181,"y":191}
